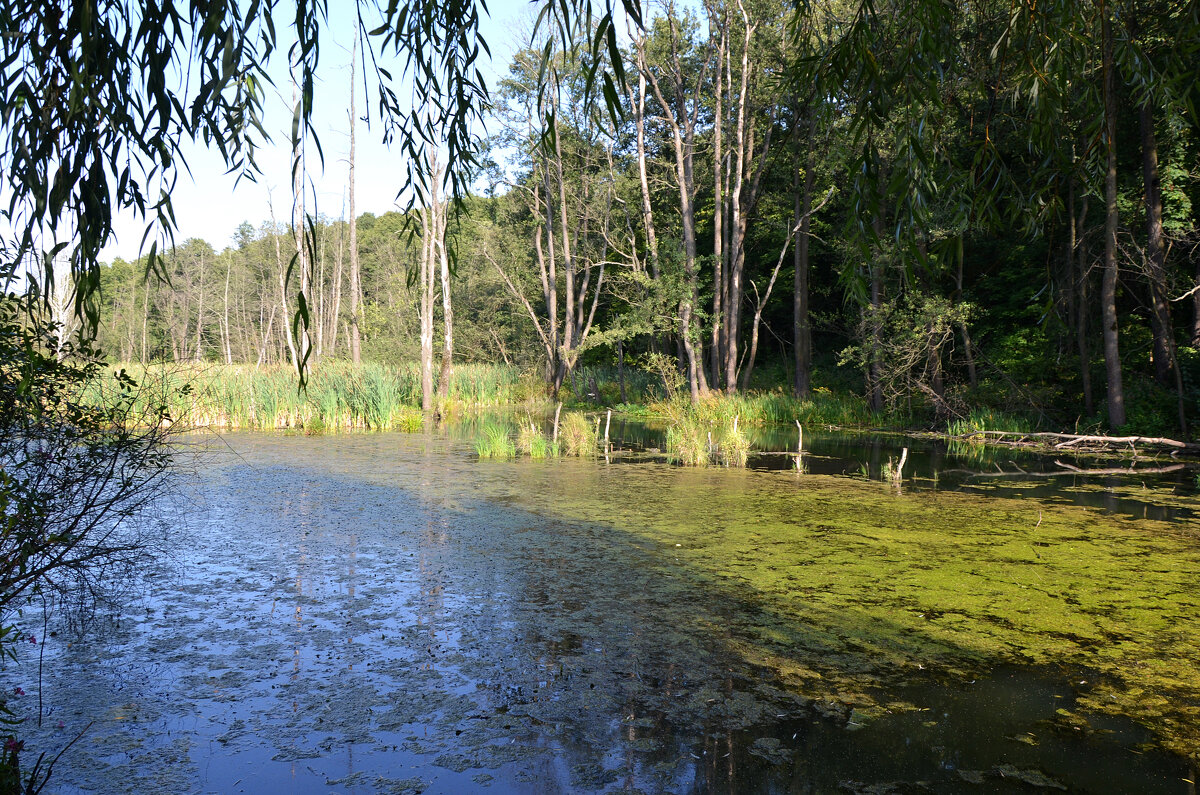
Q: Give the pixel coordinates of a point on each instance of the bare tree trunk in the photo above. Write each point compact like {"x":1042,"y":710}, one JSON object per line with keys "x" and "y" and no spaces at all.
{"x":640,"y":126}
{"x":719,"y":200}
{"x":447,"y":308}
{"x":1083,"y":279}
{"x":355,"y":275}
{"x":681,"y":123}
{"x":875,"y":363}
{"x":334,"y":322}
{"x":569,"y":337}
{"x":266,"y":338}
{"x":621,"y":368}
{"x":198,"y":354}
{"x":1108,"y":289}
{"x":1156,"y":256}
{"x":737,"y":254}
{"x":1196,"y":311}
{"x":145,"y":320}
{"x":281,"y":269}
{"x":227,"y":334}
{"x":802,"y":329}
{"x":428,"y":276}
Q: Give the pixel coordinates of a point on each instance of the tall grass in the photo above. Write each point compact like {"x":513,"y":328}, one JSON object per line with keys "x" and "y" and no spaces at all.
{"x":339,"y":395}
{"x":687,"y":440}
{"x":822,"y":407}
{"x":578,"y":435}
{"x":732,"y":446}
{"x":970,"y":428}
{"x":531,"y":441}
{"x":495,"y":442}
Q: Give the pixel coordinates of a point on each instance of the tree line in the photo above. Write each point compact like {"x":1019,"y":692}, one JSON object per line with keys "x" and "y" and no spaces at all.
{"x":937,"y":207}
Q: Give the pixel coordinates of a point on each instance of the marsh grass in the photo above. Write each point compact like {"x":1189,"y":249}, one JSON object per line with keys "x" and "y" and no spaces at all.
{"x":533,"y":443}
{"x":822,"y":407}
{"x":688,"y":440}
{"x":495,"y":441}
{"x":731,"y":445}
{"x":970,"y":428}
{"x":339,"y":395}
{"x":578,"y":435}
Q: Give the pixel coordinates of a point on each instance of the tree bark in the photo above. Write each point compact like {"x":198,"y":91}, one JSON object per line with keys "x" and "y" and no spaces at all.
{"x":355,"y":274}
{"x":1156,"y":256}
{"x":801,"y":327}
{"x":1108,"y":290}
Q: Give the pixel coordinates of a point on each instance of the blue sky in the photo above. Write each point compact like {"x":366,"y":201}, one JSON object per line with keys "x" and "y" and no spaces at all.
{"x":209,"y":206}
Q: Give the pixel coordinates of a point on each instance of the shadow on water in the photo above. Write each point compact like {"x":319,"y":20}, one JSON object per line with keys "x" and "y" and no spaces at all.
{"x":383,"y":613}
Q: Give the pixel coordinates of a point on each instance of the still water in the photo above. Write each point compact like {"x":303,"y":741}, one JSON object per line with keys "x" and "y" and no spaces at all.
{"x":387,"y":613}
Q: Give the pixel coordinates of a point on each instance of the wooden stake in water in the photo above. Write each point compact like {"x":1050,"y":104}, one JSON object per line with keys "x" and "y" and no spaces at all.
{"x":607,"y":422}
{"x":799,"y":448}
{"x":899,"y":473}
{"x":556,"y":413}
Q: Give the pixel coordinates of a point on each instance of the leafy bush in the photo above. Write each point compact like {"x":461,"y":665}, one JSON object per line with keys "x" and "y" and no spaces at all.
{"x":84,"y":454}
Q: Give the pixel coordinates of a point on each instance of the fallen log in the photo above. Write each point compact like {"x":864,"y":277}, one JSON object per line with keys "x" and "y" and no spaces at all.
{"x":1072,"y":439}
{"x":1067,"y":469}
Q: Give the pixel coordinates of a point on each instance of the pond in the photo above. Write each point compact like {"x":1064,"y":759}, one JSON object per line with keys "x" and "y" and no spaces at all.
{"x":387,"y":613}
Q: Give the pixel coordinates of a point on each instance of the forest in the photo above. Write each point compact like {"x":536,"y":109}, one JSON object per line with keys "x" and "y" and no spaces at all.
{"x":940,"y":212}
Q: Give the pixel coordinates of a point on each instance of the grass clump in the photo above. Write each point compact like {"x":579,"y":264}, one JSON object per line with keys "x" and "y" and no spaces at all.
{"x":409,"y":420}
{"x":971,"y":427}
{"x":732,"y":446}
{"x":495,"y":442}
{"x":533,"y":443}
{"x":688,"y":440}
{"x":578,"y":435}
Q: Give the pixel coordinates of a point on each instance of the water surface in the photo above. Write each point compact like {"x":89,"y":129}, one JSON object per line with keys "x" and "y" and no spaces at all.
{"x":386,"y":613}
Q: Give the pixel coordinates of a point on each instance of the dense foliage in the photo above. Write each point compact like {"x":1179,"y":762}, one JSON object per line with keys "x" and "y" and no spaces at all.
{"x":78,"y":477}
{"x":939,"y":191}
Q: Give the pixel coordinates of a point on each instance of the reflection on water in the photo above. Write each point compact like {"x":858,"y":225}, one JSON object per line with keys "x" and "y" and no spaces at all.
{"x":383,"y":613}
{"x":937,"y":464}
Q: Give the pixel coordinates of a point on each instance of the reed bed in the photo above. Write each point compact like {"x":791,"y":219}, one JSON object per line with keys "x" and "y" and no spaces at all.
{"x":339,"y":395}
{"x":822,"y":407}
{"x":578,"y":435}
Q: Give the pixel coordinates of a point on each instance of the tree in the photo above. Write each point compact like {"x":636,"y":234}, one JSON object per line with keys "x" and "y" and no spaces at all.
{"x":93,"y":123}
{"x":77,"y":476}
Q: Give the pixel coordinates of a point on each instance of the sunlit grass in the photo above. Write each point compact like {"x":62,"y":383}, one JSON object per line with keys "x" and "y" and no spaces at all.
{"x":578,"y":434}
{"x":338,"y":396}
{"x":495,"y":441}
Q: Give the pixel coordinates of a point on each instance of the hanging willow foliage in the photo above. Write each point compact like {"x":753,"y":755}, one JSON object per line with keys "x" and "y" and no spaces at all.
{"x":99,"y":99}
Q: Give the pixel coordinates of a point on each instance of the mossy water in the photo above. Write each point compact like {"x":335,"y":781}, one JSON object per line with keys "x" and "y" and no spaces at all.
{"x":388,"y":613}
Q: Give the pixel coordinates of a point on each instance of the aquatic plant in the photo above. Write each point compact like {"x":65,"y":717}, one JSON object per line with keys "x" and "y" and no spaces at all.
{"x":532,"y":442}
{"x":732,"y":446}
{"x":339,"y":394}
{"x":970,"y":428}
{"x":688,"y":440}
{"x":822,"y":407}
{"x":494,"y":442}
{"x":409,"y":420}
{"x":578,"y":435}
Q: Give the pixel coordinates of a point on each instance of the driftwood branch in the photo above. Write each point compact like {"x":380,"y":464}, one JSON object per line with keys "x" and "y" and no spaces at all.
{"x":1072,"y":439}
{"x":1067,"y":469}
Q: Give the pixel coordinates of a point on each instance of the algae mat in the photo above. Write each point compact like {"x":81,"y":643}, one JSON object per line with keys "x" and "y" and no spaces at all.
{"x":384,"y":613}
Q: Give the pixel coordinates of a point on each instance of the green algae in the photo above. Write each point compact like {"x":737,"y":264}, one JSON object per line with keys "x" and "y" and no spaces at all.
{"x":843,"y":584}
